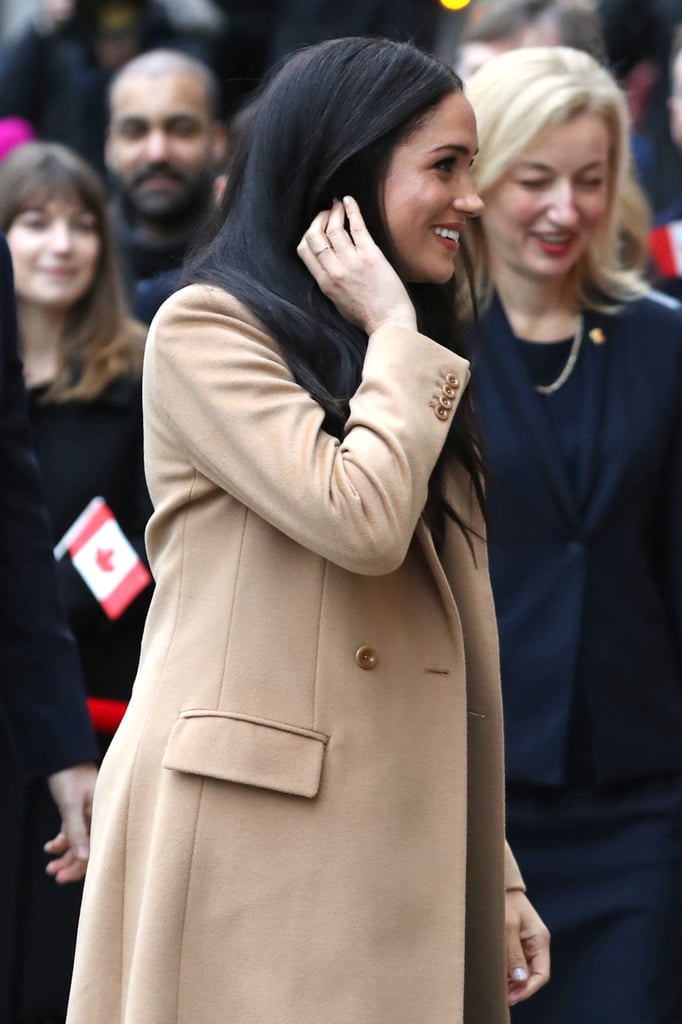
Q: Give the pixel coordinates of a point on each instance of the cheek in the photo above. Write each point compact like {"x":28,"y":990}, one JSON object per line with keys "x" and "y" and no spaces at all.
{"x":191,"y":153}
{"x":404,"y":196}
{"x":595,"y":210}
{"x":90,"y":254}
{"x":508,"y":213}
{"x":23,"y":249}
{"x":526,"y":209}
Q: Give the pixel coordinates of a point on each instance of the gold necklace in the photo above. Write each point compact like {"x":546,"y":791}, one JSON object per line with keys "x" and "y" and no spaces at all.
{"x":574,"y":352}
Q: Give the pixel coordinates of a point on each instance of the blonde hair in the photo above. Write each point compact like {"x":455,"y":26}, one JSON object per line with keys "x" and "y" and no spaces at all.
{"x":518,"y":94}
{"x":101,"y":341}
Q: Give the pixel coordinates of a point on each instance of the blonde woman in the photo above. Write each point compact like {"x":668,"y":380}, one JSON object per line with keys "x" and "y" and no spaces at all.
{"x":579,"y":396}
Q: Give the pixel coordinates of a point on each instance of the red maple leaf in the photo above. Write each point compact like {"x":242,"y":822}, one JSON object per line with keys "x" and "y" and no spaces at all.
{"x":105,"y":559}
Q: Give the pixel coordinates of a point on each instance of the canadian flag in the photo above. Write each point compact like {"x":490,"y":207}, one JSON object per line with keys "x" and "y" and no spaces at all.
{"x":665,"y":248}
{"x":105,"y":558}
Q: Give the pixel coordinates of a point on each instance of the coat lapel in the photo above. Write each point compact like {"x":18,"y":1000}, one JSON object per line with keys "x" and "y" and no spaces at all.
{"x":596,"y":357}
{"x":501,"y":357}
{"x":423,"y":535}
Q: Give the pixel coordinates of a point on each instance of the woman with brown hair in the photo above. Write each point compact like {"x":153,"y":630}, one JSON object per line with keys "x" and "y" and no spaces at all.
{"x":82,"y":362}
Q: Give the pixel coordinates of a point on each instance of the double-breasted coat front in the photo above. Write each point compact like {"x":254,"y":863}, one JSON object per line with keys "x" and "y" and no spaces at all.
{"x":300,"y":818}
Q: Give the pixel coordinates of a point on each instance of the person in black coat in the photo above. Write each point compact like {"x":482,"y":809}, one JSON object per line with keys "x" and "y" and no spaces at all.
{"x":82,"y":362}
{"x":578,"y":386}
{"x":55,"y":71}
{"x":633,"y":32}
{"x":44,"y":726}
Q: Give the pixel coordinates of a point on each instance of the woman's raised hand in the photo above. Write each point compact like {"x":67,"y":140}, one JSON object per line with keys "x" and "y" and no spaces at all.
{"x":353,"y":272}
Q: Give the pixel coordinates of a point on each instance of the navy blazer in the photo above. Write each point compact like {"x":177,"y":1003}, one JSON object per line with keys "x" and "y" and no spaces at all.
{"x":41,"y":690}
{"x":587,"y":578}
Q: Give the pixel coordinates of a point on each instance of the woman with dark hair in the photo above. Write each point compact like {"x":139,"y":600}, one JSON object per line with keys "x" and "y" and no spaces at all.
{"x":301,"y":816}
{"x":82,"y":359}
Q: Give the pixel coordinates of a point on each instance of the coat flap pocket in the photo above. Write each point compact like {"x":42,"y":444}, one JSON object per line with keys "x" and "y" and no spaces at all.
{"x":252,"y":751}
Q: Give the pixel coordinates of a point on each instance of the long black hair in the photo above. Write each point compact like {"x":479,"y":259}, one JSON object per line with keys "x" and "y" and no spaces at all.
{"x":325,"y":125}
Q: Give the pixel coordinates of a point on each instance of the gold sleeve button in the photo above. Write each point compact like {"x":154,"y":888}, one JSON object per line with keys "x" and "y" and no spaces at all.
{"x":441,"y":412}
{"x":452,"y":380}
{"x":446,"y":402}
{"x":448,"y":391}
{"x":366,"y":657}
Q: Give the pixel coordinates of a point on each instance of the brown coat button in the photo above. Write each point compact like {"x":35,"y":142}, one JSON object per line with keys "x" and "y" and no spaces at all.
{"x":448,"y":391}
{"x":366,"y":657}
{"x":452,"y":380}
{"x":441,"y":412}
{"x":446,"y":402}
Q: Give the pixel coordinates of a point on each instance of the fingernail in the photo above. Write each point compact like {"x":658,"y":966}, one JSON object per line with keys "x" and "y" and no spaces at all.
{"x":520,"y":974}
{"x":82,"y":852}
{"x":347,"y":200}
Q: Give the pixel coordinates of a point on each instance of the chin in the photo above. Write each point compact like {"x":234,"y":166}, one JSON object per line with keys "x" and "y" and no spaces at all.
{"x":430,"y":275}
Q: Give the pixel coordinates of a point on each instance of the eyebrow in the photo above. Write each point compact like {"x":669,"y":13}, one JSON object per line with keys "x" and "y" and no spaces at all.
{"x":537,"y":165}
{"x":450,"y":146}
{"x":165,"y":119}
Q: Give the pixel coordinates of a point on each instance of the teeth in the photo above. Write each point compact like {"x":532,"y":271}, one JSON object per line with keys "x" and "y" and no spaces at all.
{"x":444,"y":233}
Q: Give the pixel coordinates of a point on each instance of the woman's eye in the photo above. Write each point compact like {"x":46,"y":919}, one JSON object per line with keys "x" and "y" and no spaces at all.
{"x":590,"y":183}
{"x":446,"y":164}
{"x":86,"y":226}
{"x":33,"y":221}
{"x":532,"y":184}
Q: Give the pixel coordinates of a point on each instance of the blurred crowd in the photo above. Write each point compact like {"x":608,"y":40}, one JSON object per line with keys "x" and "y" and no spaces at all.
{"x":119,"y":120}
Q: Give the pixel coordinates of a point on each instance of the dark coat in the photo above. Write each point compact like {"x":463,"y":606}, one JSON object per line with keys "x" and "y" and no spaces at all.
{"x":41,"y":692}
{"x":635,"y":31}
{"x":44,"y":725}
{"x":85,"y":450}
{"x":588,"y":581}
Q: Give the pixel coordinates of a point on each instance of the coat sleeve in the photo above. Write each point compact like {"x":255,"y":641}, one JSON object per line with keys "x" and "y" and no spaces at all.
{"x":229,"y":399}
{"x":41,"y":692}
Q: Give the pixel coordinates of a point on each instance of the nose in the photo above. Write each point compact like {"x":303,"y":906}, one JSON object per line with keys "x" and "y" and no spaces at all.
{"x":562,"y":205}
{"x":156,"y":148}
{"x":467,"y":200}
{"x":470,"y":204}
{"x":60,"y":236}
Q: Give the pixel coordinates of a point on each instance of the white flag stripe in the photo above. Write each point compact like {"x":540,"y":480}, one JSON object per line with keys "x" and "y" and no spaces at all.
{"x":675,"y":235}
{"x":109,"y":538}
{"x":63,"y":546}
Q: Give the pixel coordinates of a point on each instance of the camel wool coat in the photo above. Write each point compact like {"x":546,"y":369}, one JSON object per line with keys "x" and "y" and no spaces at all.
{"x":300,"y":819}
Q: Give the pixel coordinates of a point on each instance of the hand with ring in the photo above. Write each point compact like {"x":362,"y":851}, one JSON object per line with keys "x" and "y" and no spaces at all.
{"x":352,"y":270}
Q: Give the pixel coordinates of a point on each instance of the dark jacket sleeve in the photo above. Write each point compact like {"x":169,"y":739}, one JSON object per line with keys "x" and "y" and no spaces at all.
{"x":41,"y":690}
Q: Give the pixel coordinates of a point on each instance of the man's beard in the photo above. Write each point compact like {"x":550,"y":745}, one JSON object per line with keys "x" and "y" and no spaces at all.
{"x":168,"y":213}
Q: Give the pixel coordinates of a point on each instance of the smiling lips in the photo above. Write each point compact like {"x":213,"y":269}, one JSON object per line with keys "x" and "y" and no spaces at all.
{"x":449,"y":235}
{"x":554,"y":245}
{"x":60,"y":271}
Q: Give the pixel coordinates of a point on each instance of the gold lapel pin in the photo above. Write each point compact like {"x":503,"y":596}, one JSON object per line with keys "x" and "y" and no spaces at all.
{"x":597,"y":336}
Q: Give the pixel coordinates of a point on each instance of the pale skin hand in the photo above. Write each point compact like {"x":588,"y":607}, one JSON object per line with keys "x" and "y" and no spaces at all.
{"x":72,"y":791}
{"x":527,"y":948}
{"x":353,"y":272}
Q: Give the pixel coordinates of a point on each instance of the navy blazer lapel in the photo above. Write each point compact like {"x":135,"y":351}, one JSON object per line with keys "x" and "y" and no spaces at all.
{"x":502,"y":358}
{"x":594,"y":379}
